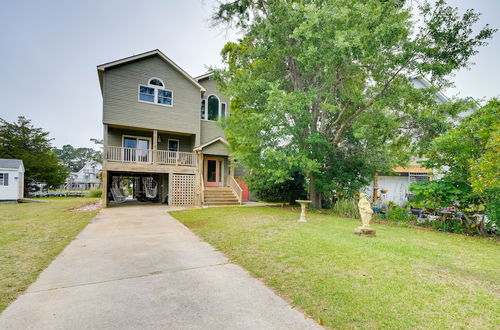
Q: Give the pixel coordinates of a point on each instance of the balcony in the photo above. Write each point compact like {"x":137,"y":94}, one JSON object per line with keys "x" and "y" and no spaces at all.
{"x":148,"y":156}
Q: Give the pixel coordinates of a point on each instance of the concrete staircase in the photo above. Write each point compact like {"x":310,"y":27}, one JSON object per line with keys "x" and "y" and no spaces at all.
{"x":220,"y":196}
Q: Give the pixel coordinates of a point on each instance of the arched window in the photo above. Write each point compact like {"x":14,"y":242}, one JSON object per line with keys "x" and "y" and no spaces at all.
{"x":156,"y":93}
{"x":156,"y":82}
{"x":213,"y":107}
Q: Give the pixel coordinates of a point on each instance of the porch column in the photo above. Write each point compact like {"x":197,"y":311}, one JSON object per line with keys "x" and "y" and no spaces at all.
{"x":231,"y":167}
{"x":104,"y":144}
{"x":199,"y":178}
{"x":104,"y":188}
{"x":155,"y":146}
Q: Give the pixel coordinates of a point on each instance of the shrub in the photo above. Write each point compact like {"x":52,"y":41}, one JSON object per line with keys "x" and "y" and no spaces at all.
{"x":399,"y":214}
{"x":94,"y":193}
{"x":284,"y":192}
{"x":346,"y":208}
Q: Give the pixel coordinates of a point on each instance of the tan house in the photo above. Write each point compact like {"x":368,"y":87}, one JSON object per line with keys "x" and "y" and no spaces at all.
{"x":162,"y":138}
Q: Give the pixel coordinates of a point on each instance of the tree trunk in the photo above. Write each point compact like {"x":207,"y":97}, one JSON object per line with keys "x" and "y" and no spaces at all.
{"x":314,"y":196}
{"x":375,"y":187}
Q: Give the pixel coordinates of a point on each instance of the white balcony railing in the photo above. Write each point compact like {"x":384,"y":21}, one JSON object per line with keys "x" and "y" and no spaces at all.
{"x":176,"y":158}
{"x":147,"y":156}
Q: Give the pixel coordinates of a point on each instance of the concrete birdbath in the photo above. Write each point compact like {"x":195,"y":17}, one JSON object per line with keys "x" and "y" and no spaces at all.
{"x":303,"y":205}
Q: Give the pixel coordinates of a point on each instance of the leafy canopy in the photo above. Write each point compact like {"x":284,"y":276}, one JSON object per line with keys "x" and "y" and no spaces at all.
{"x":75,"y":159}
{"x":21,"y":140}
{"x":468,"y":157}
{"x":326,"y":87}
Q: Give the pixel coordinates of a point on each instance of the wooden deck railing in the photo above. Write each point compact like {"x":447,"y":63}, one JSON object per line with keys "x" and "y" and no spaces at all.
{"x":146,"y":156}
{"x":236,"y":188}
{"x":166,"y":157}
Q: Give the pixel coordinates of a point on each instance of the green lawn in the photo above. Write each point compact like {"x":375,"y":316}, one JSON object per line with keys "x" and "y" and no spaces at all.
{"x":31,"y":236}
{"x":403,"y":278}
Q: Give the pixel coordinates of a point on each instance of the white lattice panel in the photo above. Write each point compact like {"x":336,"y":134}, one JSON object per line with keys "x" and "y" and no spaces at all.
{"x":183,"y":189}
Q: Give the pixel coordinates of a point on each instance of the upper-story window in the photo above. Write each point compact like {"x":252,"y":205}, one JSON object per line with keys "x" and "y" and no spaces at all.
{"x":203,"y":102}
{"x":212,"y":108}
{"x":154,"y":92}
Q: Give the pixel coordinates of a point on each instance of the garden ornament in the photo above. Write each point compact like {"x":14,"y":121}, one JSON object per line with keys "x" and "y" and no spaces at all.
{"x":365,"y":211}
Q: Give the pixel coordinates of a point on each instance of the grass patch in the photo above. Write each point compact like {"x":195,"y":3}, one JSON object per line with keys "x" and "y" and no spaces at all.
{"x":31,"y":236}
{"x":403,"y":278}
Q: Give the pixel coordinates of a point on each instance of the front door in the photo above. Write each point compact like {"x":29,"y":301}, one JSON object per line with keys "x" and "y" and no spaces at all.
{"x":213,"y":172}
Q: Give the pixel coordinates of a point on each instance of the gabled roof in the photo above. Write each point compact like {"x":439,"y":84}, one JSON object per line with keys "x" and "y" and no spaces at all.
{"x":422,"y":82}
{"x":220,"y":139}
{"x":11,"y":163}
{"x":204,"y":76}
{"x":101,"y":68}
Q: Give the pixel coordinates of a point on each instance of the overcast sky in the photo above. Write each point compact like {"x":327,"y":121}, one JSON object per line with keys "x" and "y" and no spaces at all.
{"x":50,"y":49}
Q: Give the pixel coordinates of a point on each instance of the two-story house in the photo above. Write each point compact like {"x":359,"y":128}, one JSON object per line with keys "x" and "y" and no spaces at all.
{"x":85,"y":179}
{"x":162,"y":138}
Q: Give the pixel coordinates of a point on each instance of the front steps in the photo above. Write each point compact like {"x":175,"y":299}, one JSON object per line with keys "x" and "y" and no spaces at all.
{"x":220,"y":196}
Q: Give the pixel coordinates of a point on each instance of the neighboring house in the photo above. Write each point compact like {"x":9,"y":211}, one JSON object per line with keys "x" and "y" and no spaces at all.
{"x":11,"y":179}
{"x":85,"y":179}
{"x":394,"y":187}
{"x":161,"y":134}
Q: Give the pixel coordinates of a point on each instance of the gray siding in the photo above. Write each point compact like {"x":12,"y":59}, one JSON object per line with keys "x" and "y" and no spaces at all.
{"x":210,"y":129}
{"x":121,"y":105}
{"x":186,"y":142}
{"x":217,"y":148}
{"x":115,"y":135}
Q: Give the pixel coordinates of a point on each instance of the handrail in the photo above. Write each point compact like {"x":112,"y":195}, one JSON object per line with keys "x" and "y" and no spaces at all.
{"x":178,"y":158}
{"x":145,"y":156}
{"x":202,"y":184}
{"x":128,"y":155}
{"x":236,"y":188}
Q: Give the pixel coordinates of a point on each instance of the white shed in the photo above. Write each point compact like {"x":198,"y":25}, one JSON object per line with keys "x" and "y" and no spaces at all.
{"x":11,"y":179}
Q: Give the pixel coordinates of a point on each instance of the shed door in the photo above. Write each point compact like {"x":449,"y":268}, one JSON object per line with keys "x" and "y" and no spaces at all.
{"x":182,"y":189}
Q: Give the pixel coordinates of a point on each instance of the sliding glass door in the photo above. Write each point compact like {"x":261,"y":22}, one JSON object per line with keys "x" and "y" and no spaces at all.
{"x":136,"y":149}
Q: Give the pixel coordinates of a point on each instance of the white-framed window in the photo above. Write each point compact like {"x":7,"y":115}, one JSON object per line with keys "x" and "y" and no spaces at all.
{"x":155,"y":92}
{"x":136,"y":148}
{"x":203,"y":103}
{"x":4,"y":179}
{"x":173,"y":145}
{"x":212,"y":108}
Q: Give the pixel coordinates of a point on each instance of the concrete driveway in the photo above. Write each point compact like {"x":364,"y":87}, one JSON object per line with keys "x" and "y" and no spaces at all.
{"x":138,"y":268}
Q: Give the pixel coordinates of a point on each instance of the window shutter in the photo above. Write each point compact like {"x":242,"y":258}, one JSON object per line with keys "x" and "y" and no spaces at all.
{"x":6,"y":179}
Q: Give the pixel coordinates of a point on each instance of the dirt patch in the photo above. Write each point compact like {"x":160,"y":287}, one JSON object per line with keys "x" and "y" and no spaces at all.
{"x":89,"y":207}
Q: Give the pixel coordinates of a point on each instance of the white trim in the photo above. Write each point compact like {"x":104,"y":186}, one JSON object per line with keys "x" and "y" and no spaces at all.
{"x":203,"y":76}
{"x":137,"y":137}
{"x":178,"y":144}
{"x":220,"y":138}
{"x":105,"y":66}
{"x":203,"y":101}
{"x":219,"y":112}
{"x":155,"y":96}
{"x":206,"y":108}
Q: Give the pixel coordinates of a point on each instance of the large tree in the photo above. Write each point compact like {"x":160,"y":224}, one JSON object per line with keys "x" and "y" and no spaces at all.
{"x":21,"y":140}
{"x":326,"y":85}
{"x":75,"y":159}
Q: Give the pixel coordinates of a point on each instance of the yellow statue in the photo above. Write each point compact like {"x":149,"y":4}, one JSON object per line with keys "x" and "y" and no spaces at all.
{"x":365,"y":210}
